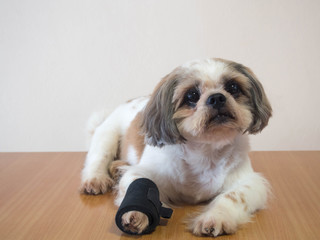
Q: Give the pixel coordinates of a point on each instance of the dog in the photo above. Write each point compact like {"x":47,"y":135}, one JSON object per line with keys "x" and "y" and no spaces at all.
{"x":191,"y":138}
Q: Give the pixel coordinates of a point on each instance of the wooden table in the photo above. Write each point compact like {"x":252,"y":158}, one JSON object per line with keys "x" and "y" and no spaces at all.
{"x":39,"y":200}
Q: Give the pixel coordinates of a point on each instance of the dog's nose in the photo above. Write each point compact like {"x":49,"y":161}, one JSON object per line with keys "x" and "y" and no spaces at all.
{"x":216,"y":100}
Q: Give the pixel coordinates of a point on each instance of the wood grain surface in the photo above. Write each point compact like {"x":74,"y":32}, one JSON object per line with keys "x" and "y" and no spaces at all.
{"x":39,"y":199}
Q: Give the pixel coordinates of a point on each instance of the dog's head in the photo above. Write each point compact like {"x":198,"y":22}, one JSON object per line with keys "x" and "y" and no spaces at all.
{"x":205,"y":101}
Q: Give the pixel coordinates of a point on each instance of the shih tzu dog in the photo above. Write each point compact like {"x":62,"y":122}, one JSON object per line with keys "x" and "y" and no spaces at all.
{"x":190,"y":137}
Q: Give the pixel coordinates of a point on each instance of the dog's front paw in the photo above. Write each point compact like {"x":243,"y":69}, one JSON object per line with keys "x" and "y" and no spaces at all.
{"x":135,"y":222}
{"x":213,"y":224}
{"x":97,"y":185}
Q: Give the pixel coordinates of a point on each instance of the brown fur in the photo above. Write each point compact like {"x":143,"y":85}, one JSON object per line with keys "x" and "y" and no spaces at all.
{"x":232,"y":197}
{"x":133,"y":138}
{"x":189,"y":81}
{"x":243,"y":201}
{"x":115,"y":169}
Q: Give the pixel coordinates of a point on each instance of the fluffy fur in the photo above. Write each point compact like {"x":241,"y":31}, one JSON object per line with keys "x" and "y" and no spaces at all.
{"x":191,"y":138}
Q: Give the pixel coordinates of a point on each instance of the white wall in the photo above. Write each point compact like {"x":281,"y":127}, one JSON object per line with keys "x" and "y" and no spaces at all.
{"x":60,"y":60}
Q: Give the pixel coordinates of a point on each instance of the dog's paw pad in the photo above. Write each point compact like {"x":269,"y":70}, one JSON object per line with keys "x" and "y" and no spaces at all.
{"x":212,"y":226}
{"x":97,"y":186}
{"x":135,"y":222}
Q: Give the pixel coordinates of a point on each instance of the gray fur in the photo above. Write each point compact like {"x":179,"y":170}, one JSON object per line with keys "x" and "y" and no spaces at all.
{"x":260,"y":107}
{"x":157,"y":122}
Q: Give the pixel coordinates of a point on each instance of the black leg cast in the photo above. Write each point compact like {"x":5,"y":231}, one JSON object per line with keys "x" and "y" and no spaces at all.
{"x":143,"y":196}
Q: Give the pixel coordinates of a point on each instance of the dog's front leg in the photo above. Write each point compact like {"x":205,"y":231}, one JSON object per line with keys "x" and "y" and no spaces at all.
{"x":231,"y":208}
{"x":133,"y":221}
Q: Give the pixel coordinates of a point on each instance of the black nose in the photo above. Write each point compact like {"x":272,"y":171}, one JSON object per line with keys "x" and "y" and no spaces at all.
{"x":216,"y":100}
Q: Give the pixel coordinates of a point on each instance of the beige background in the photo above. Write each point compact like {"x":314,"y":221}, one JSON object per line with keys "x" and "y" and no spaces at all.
{"x":61,"y":60}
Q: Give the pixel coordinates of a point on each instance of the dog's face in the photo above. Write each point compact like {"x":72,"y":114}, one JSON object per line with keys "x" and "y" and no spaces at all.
{"x":205,"y":101}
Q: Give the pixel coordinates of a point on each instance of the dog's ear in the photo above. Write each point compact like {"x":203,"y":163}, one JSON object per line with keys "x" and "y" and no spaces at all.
{"x":260,"y":107}
{"x":158,"y":124}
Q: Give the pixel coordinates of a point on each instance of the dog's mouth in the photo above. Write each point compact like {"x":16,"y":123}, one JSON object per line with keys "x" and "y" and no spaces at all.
{"x":222,"y":117}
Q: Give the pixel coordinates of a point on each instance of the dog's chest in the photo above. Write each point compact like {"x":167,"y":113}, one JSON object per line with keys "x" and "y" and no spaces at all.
{"x":187,"y":175}
{"x":200,"y":179}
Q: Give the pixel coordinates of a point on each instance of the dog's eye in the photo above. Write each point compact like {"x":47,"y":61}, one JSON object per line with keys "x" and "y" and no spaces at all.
{"x":233,"y":88}
{"x":192,"y":97}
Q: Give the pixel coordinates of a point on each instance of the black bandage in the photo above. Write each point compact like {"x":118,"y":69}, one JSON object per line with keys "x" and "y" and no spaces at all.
{"x":143,"y":196}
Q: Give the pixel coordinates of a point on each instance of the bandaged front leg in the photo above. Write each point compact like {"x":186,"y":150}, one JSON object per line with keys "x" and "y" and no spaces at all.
{"x":141,"y":209}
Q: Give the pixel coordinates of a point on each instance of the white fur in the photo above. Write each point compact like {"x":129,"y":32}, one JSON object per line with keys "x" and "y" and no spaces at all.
{"x":132,"y":156}
{"x":105,"y":140}
{"x":193,"y":172}
{"x":188,"y":173}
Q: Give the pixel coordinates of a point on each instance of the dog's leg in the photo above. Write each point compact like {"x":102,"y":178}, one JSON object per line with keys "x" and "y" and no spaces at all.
{"x":232,"y":208}
{"x":133,"y":221}
{"x":103,"y":149}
